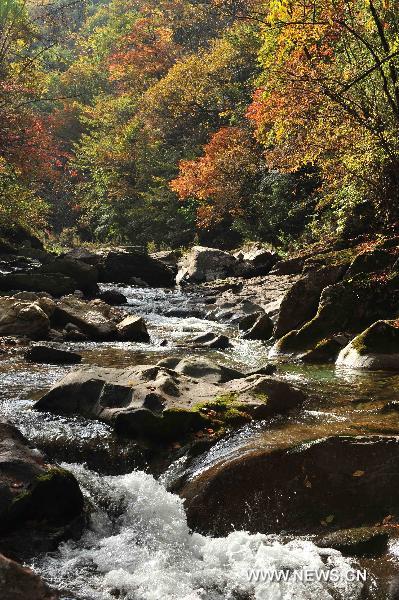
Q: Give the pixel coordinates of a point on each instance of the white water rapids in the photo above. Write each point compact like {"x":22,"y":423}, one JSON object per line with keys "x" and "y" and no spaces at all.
{"x":139,"y":547}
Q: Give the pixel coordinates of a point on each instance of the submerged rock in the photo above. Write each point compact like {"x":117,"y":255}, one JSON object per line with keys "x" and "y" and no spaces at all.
{"x":35,"y":497}
{"x":45,"y":353}
{"x":329,"y":484}
{"x":161,"y":403}
{"x":20,"y":583}
{"x":376,"y":348}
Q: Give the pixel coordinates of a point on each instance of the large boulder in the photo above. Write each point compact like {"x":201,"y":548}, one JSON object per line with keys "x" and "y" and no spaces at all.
{"x":160,"y":403}
{"x":300,"y":303}
{"x":85,"y":276}
{"x":376,"y":348}
{"x":94,"y":318}
{"x":372,"y":261}
{"x":206,"y":264}
{"x":122,"y":266}
{"x":348,"y":306}
{"x":55,"y":284}
{"x":19,"y":317}
{"x":20,"y":583}
{"x":133,"y":329}
{"x":34,"y":495}
{"x":333,"y":483}
{"x":255,"y":262}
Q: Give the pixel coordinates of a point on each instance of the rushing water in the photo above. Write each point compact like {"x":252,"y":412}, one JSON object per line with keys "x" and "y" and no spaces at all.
{"x":138,"y":546}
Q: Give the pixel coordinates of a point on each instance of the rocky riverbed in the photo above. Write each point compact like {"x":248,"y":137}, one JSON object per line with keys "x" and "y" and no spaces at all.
{"x":203,"y":430}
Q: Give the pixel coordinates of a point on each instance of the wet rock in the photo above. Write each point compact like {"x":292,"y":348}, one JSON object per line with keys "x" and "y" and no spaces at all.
{"x":361,"y":542}
{"x":325,"y":351}
{"x":45,"y":353}
{"x":329,"y":484}
{"x":262,"y":329}
{"x":248,"y":321}
{"x":186,"y":313}
{"x":113,"y":297}
{"x":18,"y":317}
{"x":121,"y":266}
{"x":158,"y":403}
{"x":376,"y":348}
{"x":133,"y":329}
{"x":205,"y":264}
{"x":20,"y":583}
{"x":348,"y":306}
{"x":33,"y":492}
{"x":92,"y":318}
{"x":211,"y":340}
{"x":54,"y":284}
{"x":300,"y":303}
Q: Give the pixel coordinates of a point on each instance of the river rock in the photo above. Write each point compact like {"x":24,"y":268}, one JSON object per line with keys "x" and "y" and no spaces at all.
{"x":32,"y":492}
{"x":372,"y":261}
{"x":329,"y":484}
{"x":262,"y":329}
{"x":376,"y":348}
{"x":93,"y":319}
{"x":133,"y":329}
{"x":300,"y":303}
{"x":85,"y":276}
{"x":160,"y":403}
{"x":55,"y":284}
{"x":113,"y":297}
{"x":83,"y":255}
{"x":20,"y":583}
{"x":361,"y":542}
{"x":123,"y":265}
{"x":211,"y":340}
{"x":349,"y":306}
{"x":255,"y":262}
{"x":206,"y":264}
{"x":46,"y":353}
{"x":18,"y":317}
{"x":289,"y":266}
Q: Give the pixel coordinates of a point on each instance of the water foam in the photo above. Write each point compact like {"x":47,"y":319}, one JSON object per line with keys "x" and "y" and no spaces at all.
{"x":139,"y":547}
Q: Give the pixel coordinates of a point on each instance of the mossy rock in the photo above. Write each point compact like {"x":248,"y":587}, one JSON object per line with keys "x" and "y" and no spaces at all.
{"x":350,"y":305}
{"x":380,"y":338}
{"x":371,"y":262}
{"x":53,"y":496}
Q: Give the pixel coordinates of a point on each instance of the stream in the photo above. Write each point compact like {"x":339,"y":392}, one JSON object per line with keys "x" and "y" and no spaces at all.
{"x":138,"y":545}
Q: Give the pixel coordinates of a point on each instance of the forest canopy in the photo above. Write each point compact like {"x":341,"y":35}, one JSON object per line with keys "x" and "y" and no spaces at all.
{"x":166,"y":122}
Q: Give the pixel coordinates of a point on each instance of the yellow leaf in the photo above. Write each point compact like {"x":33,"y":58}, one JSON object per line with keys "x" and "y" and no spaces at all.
{"x":358,"y":474}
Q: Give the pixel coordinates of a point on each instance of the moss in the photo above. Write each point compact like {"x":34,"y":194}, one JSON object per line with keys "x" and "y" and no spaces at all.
{"x":381,"y":338}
